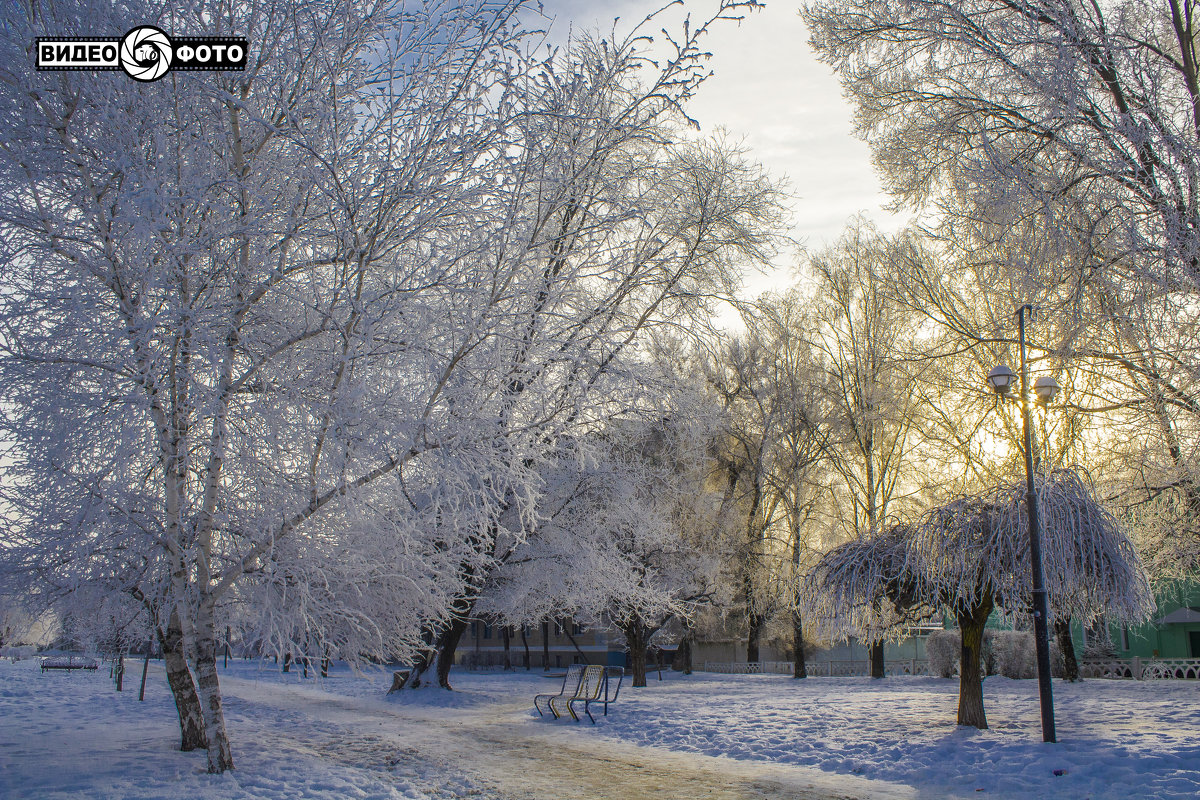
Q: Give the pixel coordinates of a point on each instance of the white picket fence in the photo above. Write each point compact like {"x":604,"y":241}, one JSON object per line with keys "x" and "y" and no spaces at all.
{"x":831,"y":669}
{"x":1134,"y":668}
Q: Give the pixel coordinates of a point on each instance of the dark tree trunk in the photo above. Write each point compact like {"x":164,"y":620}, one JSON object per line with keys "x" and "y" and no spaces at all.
{"x":875,"y":656}
{"x":545,"y":645}
{"x":506,"y":632}
{"x":525,"y":644}
{"x":753,"y":635}
{"x":971,"y":623}
{"x":683,"y":655}
{"x":121,"y":672}
{"x":145,"y":669}
{"x":325,"y":663}
{"x":424,"y":659}
{"x":636,"y":638}
{"x":183,"y":686}
{"x":799,"y":668}
{"x":447,"y":647}
{"x":287,"y":662}
{"x":1062,"y":632}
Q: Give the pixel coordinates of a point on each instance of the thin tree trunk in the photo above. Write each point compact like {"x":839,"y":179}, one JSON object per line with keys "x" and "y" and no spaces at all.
{"x":875,"y":655}
{"x":799,"y":668}
{"x":121,"y":672}
{"x":506,"y":632}
{"x":575,"y":644}
{"x":971,"y":623}
{"x":145,"y":669}
{"x":525,"y":644}
{"x":635,"y":640}
{"x":545,"y":645}
{"x":183,"y":688}
{"x":1062,"y":631}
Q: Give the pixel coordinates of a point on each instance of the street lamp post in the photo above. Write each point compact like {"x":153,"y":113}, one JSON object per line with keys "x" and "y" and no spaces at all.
{"x":1001,"y":378}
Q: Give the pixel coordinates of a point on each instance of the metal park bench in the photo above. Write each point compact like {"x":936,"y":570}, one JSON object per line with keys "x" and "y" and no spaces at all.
{"x":593,"y":686}
{"x":68,"y":663}
{"x":570,"y":686}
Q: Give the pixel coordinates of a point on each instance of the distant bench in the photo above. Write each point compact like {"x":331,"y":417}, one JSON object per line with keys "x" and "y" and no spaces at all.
{"x":585,"y":685}
{"x":68,"y":663}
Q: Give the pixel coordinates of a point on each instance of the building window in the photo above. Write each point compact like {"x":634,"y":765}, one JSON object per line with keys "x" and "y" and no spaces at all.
{"x":576,"y":629}
{"x":558,"y":629}
{"x":487,"y":630}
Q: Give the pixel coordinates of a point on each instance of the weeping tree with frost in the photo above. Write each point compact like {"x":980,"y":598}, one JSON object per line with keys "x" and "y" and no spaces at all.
{"x":971,"y":556}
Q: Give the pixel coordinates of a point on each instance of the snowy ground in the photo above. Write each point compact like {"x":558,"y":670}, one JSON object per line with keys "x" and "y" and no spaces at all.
{"x":705,"y":736}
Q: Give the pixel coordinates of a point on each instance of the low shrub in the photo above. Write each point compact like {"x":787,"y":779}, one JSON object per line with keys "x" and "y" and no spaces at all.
{"x":942,"y":649}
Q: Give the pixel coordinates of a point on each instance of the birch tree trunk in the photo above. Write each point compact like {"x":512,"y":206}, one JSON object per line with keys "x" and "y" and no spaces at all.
{"x":183,"y":688}
{"x":220,"y":758}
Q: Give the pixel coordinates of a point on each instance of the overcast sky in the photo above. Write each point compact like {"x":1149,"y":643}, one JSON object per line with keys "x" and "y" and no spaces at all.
{"x":769,"y":90}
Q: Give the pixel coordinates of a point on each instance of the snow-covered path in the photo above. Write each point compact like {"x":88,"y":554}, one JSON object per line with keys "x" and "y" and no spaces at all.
{"x":500,"y":751}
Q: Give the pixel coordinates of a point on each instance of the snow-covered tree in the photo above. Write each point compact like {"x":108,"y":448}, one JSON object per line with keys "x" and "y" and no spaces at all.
{"x":971,"y":556}
{"x":631,"y":534}
{"x":340,"y":303}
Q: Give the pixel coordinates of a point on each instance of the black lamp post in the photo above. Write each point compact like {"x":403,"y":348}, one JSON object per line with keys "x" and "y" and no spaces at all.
{"x":1002,"y":378}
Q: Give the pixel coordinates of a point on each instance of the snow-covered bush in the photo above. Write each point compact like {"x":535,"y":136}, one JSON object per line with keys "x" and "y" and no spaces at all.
{"x":1099,"y":646}
{"x":942,"y":648}
{"x":1015,"y":654}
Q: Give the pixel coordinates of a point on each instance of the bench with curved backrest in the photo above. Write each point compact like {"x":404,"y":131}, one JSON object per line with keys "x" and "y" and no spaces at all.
{"x":594,"y":687}
{"x":590,"y":687}
{"x":570,"y":687}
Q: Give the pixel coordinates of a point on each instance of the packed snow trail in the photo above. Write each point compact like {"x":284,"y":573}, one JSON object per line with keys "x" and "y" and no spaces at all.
{"x":500,"y":752}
